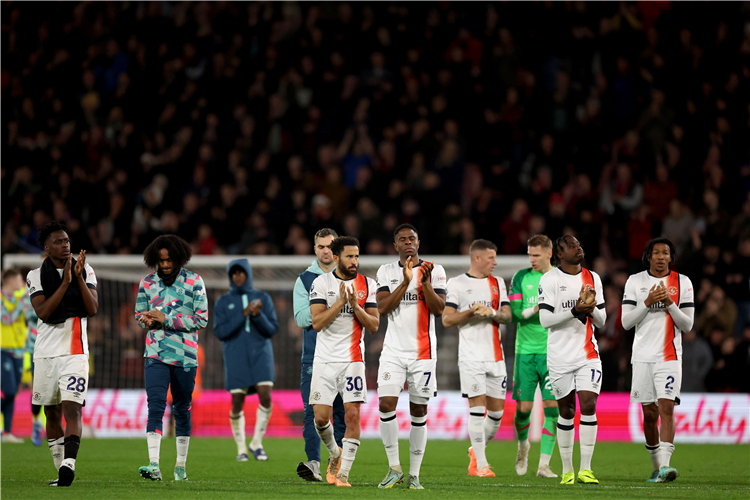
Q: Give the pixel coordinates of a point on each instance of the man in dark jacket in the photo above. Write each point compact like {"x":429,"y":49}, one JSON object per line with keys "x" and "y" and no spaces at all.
{"x":245,"y":320}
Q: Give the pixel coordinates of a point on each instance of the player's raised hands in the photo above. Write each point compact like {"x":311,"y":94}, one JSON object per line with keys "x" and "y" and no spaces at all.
{"x":656,"y":294}
{"x":585,"y":304}
{"x":426,"y":271}
{"x":351,"y":297}
{"x":80,"y":263}
{"x":667,"y":299}
{"x":482,"y":310}
{"x":343,"y":295}
{"x":257,"y":306}
{"x":408,"y":270}
{"x":67,"y":270}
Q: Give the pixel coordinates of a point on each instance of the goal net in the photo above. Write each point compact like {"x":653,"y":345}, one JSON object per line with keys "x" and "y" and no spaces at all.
{"x":117,"y":343}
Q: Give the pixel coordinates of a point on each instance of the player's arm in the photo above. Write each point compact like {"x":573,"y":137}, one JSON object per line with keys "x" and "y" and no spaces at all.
{"x":634,"y":312}
{"x":301,"y":305}
{"x":435,"y":301}
{"x":195,"y":319}
{"x":599,"y":314}
{"x":45,"y":306}
{"x":387,"y":300}
{"x":682,"y":315}
{"x":89,"y":295}
{"x":264,"y":317}
{"x":453,"y":318}
{"x":226,"y":324}
{"x":548,"y":316}
{"x":323,"y":316}
{"x":367,"y":317}
{"x":502,"y":315}
{"x":141,"y":307}
{"x":518,"y":313}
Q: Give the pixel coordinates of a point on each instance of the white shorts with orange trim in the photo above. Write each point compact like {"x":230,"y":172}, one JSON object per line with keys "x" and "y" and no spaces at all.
{"x":64,"y":378}
{"x":654,"y":381}
{"x":329,"y":379}
{"x":483,"y":378}
{"x":587,"y":377}
{"x":420,"y":375}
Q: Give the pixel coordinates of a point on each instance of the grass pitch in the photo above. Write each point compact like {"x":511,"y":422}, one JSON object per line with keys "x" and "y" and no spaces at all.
{"x":108,"y":468}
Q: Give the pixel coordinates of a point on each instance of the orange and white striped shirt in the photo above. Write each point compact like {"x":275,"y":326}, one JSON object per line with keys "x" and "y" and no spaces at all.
{"x":411,"y":325}
{"x":343,"y":340}
{"x":478,"y":338}
{"x":658,"y":329}
{"x":63,"y":339}
{"x":570,"y":341}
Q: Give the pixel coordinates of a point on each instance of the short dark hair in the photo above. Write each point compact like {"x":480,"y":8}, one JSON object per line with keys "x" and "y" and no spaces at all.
{"x":540,"y":240}
{"x":477,"y":245}
{"x":46,"y":229}
{"x":650,"y":249}
{"x":326,"y":231}
{"x":10,"y":273}
{"x":179,"y":251}
{"x":343,"y":241}
{"x":404,"y":226}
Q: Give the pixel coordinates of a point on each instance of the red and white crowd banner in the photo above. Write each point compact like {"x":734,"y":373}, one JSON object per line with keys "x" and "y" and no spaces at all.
{"x":700,"y":418}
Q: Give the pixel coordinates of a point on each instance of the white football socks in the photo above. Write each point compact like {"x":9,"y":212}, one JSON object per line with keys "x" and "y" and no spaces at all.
{"x":154,"y":445}
{"x":57,"y":450}
{"x":262,"y":416}
{"x":417,"y":444}
{"x":587,"y":436}
{"x":565,"y":436}
{"x":665,"y":453}
{"x":476,"y":434}
{"x":238,"y":431}
{"x":183,"y":442}
{"x":326,"y":435}
{"x":349,"y":450}
{"x":653,"y":452}
{"x":389,"y":435}
{"x":492,"y":424}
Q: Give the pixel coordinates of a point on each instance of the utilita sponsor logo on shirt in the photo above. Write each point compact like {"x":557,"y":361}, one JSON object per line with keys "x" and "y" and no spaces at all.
{"x":412,"y":297}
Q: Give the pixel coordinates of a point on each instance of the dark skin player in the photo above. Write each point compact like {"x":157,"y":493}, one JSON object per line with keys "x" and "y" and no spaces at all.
{"x":407,"y":246}
{"x":57,"y":247}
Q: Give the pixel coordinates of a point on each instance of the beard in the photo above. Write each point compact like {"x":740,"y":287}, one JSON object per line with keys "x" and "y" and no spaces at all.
{"x":349,"y":274}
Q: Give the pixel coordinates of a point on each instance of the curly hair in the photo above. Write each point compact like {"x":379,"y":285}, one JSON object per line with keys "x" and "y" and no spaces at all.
{"x":646,"y":259}
{"x":557,"y":245}
{"x":45,"y":230}
{"x":179,"y":251}
{"x":343,"y":241}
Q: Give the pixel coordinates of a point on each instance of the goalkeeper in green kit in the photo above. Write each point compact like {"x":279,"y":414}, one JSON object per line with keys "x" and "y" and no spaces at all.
{"x":530,"y":367}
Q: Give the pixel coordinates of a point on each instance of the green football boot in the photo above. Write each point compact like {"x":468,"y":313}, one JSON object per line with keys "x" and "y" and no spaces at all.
{"x":654,"y":477}
{"x":150,"y":471}
{"x":393,"y":477}
{"x":568,"y":478}
{"x":586,"y":476}
{"x":667,"y":474}
{"x":413,"y":483}
{"x":180,"y":474}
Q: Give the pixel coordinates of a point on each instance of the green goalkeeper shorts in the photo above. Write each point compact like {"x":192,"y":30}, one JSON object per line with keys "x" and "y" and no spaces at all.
{"x":530,"y":370}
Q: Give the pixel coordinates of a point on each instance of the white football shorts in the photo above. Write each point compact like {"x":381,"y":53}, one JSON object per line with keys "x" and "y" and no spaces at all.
{"x":483,"y":378}
{"x":329,"y":379}
{"x":420,"y":375}
{"x":64,"y":378}
{"x":654,"y":381}
{"x":587,"y":377}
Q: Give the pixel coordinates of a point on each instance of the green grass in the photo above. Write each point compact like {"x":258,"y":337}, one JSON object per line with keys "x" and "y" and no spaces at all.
{"x":108,"y":468}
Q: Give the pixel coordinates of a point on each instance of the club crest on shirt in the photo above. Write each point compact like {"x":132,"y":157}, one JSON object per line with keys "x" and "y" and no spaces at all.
{"x":360,"y":294}
{"x":636,"y":394}
{"x":316,"y":396}
{"x":386,"y":375}
{"x":494,"y":289}
{"x":672,"y":290}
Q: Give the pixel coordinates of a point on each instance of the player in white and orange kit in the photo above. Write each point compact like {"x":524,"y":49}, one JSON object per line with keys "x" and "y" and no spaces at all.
{"x":659,"y":304}
{"x":477,"y":302}
{"x":412,"y":293}
{"x":571,"y":303}
{"x":342,"y":306}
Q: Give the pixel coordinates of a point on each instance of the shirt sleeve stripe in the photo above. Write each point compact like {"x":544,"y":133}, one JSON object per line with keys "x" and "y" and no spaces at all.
{"x":370,"y":305}
{"x":440,"y":291}
{"x":516,"y":296}
{"x":36,"y":294}
{"x":318,"y":301}
{"x":504,"y":303}
{"x":451,"y":304}
{"x":629,"y":302}
{"x":383,"y":289}
{"x":600,"y":306}
{"x":687,"y":304}
{"x":547,"y":307}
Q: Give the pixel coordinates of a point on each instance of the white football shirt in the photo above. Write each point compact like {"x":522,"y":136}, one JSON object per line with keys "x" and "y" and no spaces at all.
{"x":479,"y":338}
{"x":411,"y":325}
{"x":344,"y":339}
{"x":657,"y":338}
{"x":65,"y":338}
{"x":572,"y":343}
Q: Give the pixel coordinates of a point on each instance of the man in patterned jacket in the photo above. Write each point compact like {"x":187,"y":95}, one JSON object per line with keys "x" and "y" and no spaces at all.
{"x":173,"y":306}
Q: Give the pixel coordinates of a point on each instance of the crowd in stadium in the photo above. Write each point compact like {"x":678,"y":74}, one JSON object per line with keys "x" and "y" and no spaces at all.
{"x":245,"y":128}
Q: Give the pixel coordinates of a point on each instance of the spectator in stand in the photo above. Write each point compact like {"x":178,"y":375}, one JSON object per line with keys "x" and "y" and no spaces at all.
{"x":697,"y":361}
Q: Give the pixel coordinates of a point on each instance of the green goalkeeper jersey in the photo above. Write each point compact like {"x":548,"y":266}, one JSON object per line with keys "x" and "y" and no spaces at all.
{"x":531,"y":337}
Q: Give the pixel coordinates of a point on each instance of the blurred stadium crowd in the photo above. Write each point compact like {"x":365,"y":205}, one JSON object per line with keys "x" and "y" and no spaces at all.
{"x":246,"y":127}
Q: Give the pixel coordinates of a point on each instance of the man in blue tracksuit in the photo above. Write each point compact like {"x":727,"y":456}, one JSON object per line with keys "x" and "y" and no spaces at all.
{"x":310,"y":470}
{"x":245,"y":320}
